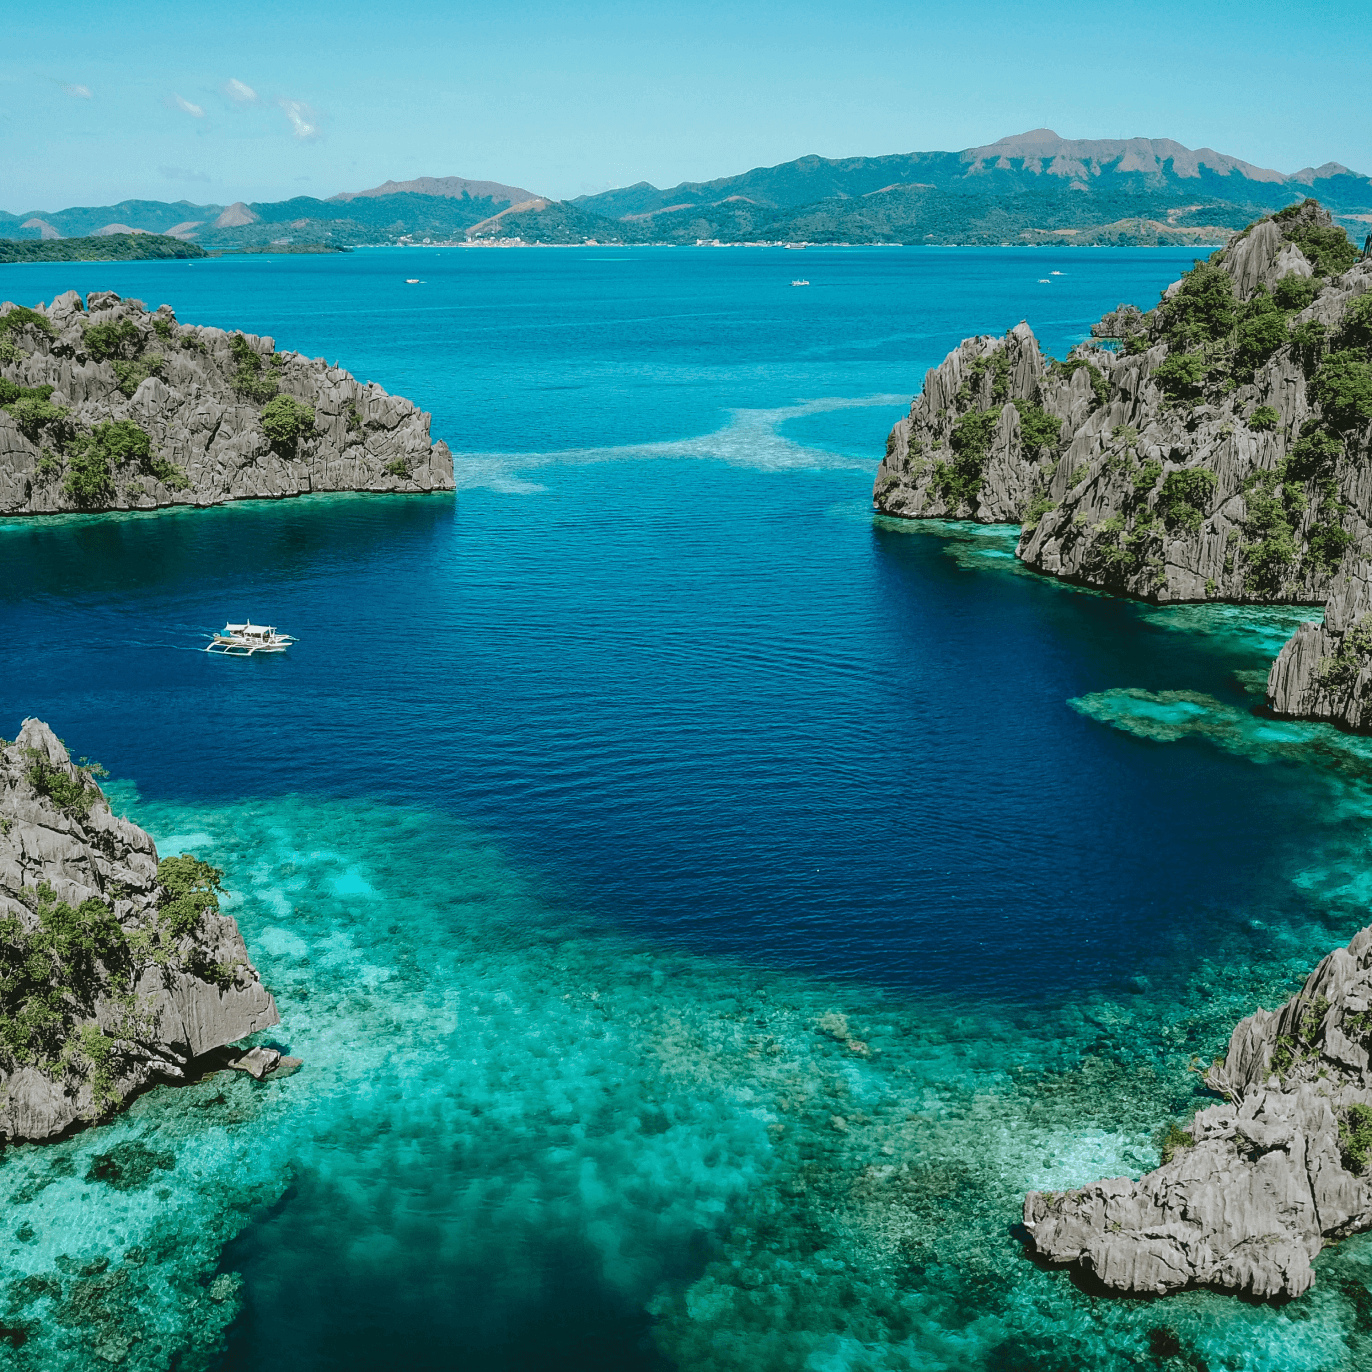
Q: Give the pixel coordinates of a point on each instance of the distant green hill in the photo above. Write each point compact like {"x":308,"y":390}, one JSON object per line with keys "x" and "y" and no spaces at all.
{"x":1028,"y":189}
{"x":113,"y":247}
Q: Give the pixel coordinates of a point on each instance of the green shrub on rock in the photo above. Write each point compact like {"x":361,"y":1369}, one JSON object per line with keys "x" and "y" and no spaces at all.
{"x":1356,"y":332}
{"x":1355,"y":1137}
{"x":1343,"y":389}
{"x":21,"y":317}
{"x":1257,"y":339}
{"x":10,"y":391}
{"x":1115,"y":554}
{"x":168,"y":473}
{"x":1202,"y":310}
{"x":1173,"y":1140}
{"x":1308,"y":341}
{"x":1294,"y":292}
{"x":1328,"y":542}
{"x":129,"y":376}
{"x":1326,"y":246}
{"x":53,"y":974}
{"x":1270,"y":526}
{"x":113,"y":444}
{"x":1100,"y":387}
{"x":1314,"y":456}
{"x":959,"y":483}
{"x":286,"y":421}
{"x":247,"y":379}
{"x":1181,"y":376}
{"x":114,"y":339}
{"x":189,"y":888}
{"x":1038,"y":429}
{"x":72,"y":794}
{"x":1264,"y":419}
{"x":36,"y":415}
{"x":123,"y":441}
{"x":1339,"y":672}
{"x":1039,"y":506}
{"x":1147,"y":476}
{"x":998,"y":364}
{"x":88,"y":482}
{"x":1184,"y":497}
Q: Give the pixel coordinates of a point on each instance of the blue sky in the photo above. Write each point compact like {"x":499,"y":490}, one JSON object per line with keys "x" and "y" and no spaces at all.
{"x":104,"y":102}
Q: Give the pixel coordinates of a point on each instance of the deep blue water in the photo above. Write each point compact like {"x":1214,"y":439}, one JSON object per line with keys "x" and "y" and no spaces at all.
{"x":655,"y":688}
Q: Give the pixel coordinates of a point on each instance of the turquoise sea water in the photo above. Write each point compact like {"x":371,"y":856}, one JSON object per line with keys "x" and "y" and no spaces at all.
{"x":703,"y":909}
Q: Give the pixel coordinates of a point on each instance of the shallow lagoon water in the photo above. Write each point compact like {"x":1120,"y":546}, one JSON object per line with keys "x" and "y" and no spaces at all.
{"x":703,"y":910}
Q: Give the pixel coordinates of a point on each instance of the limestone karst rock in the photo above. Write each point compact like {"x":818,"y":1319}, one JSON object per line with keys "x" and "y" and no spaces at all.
{"x":197,"y":395}
{"x":1223,"y":452}
{"x":106,"y":986}
{"x":1258,"y":1183}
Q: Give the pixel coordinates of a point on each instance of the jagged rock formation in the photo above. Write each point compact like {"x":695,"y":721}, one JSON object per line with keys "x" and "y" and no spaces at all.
{"x":1255,"y":1185}
{"x":110,"y":407}
{"x":115,"y":970}
{"x":1222,"y":453}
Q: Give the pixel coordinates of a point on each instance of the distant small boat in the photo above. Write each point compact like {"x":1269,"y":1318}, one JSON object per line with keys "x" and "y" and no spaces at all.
{"x":412,"y":281}
{"x":1044,"y":281}
{"x":800,"y":283}
{"x":243,"y":640}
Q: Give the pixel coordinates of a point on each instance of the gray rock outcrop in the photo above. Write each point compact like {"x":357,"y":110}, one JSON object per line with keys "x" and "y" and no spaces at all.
{"x":108,"y":982}
{"x":198,"y":394}
{"x":1257,"y":1184}
{"x":1220,"y":454}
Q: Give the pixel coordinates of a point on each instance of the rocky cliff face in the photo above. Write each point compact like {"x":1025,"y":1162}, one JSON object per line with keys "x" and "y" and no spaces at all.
{"x":1255,"y":1185}
{"x":1223,"y":451}
{"x":115,"y":970}
{"x":109,"y":407}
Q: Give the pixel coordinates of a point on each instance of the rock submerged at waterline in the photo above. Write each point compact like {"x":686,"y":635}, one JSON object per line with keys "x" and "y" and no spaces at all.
{"x":105,"y":405}
{"x":1221,"y":453}
{"x":1249,"y":1193}
{"x":116,"y":970}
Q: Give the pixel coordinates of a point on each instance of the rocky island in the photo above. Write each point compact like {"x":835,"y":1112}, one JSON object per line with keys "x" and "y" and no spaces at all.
{"x":1250,"y":1191}
{"x":1213,"y":448}
{"x":117,"y":970}
{"x":105,"y":405}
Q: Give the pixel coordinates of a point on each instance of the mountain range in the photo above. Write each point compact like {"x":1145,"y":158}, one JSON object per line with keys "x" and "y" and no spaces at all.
{"x":1029,"y":188}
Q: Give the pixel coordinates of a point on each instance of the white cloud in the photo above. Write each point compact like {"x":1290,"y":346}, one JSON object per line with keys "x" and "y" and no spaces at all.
{"x":304,"y":120}
{"x":238,"y":92}
{"x":186,"y":107}
{"x":183,"y":174}
{"x":76,"y":92}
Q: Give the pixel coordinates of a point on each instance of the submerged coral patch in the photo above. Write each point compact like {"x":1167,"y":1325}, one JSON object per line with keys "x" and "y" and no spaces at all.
{"x":131,"y":1165}
{"x":500,"y":1093}
{"x":1169,"y":716}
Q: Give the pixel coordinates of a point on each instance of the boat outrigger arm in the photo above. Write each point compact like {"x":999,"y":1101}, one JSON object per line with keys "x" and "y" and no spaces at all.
{"x":243,"y":640}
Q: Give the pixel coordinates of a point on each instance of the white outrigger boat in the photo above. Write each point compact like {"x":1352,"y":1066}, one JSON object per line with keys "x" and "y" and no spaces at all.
{"x":243,"y":640}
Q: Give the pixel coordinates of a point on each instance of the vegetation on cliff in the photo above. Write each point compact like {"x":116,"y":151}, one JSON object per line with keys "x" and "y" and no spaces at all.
{"x":1213,"y":447}
{"x":114,"y":968}
{"x":61,"y":962}
{"x":116,"y":407}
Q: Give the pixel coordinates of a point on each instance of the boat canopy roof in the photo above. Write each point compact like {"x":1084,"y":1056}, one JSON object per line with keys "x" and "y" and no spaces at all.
{"x":248,"y":628}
